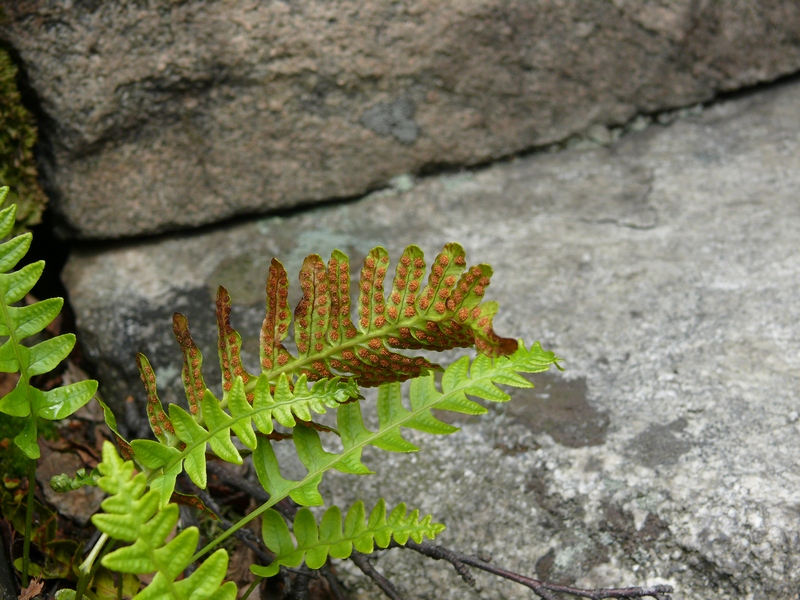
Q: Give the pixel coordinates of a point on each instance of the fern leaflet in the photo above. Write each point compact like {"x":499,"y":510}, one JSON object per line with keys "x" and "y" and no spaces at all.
{"x":314,"y":545}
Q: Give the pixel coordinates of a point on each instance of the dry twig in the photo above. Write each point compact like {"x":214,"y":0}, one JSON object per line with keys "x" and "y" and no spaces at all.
{"x":542,"y":589}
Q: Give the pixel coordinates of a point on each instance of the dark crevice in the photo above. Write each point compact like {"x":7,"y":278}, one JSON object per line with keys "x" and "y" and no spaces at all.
{"x":45,"y":245}
{"x":43,"y":150}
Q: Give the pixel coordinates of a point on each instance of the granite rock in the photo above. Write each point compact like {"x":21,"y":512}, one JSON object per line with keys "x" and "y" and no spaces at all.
{"x":161,"y":115}
{"x":663,"y":269}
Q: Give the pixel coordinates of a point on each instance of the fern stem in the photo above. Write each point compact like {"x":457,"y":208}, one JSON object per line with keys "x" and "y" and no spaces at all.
{"x":236,"y":527}
{"x":240,"y":535}
{"x":253,"y":586}
{"x":86,"y":565}
{"x":26,"y":544}
{"x":84,"y":571}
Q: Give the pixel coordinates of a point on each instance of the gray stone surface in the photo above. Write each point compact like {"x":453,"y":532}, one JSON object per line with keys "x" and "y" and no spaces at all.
{"x":664,"y":269}
{"x":162,"y":115}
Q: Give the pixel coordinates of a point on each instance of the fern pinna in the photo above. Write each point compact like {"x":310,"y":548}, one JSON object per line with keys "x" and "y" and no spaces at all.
{"x":315,"y":545}
{"x":335,"y":357}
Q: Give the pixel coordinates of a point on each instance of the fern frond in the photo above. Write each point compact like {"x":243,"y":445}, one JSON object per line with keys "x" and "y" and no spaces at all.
{"x":133,"y":515}
{"x":445,"y":313}
{"x":479,"y":378}
{"x":459,"y":380}
{"x":314,"y":544}
{"x":183,"y":436}
{"x":19,"y":323}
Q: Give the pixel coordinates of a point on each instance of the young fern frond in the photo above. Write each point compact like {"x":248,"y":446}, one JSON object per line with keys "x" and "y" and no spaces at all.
{"x":133,"y":515}
{"x":461,"y":379}
{"x":19,"y":323}
{"x":314,"y":545}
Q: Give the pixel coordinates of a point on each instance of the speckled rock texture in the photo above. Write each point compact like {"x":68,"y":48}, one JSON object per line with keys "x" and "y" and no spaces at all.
{"x":664,"y":269}
{"x":160,"y":115}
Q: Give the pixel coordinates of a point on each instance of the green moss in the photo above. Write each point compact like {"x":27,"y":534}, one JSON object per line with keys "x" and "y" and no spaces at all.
{"x":17,"y":137}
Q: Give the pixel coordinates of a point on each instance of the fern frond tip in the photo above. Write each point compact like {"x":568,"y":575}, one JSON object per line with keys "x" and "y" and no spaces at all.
{"x":338,"y":538}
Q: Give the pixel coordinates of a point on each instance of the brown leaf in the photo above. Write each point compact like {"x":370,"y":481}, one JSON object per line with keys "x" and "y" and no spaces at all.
{"x":34,"y":589}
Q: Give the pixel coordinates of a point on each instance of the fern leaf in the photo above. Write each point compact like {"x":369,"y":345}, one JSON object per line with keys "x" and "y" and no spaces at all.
{"x":276,"y":323}
{"x":337,"y":539}
{"x":183,"y":436}
{"x":132,"y":514}
{"x":478,"y":379}
{"x":12,"y":251}
{"x":61,"y":402}
{"x":45,"y":357}
{"x":192,"y":372}
{"x":229,"y":345}
{"x":446,"y":313}
{"x":18,"y":323}
{"x":156,"y":416}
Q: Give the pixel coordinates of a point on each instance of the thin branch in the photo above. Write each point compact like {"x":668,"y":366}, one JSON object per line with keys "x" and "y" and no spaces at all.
{"x":300,"y":584}
{"x":542,"y":589}
{"x":363,"y":563}
{"x":441,"y":553}
{"x":334,"y":584}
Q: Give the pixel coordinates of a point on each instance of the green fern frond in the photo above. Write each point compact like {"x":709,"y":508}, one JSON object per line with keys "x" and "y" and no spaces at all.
{"x":446,"y":313}
{"x":459,"y":380}
{"x":133,"y":515}
{"x":479,"y":378}
{"x":183,"y":436}
{"x":19,"y":323}
{"x":314,"y":544}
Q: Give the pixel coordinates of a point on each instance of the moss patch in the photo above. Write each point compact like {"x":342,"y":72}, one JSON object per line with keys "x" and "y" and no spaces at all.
{"x":17,"y":138}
